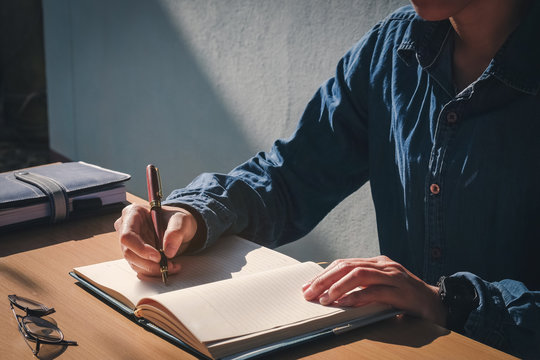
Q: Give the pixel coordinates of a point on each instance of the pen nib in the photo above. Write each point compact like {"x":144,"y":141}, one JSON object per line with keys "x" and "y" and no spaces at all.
{"x":164,"y":275}
{"x":163,"y":267}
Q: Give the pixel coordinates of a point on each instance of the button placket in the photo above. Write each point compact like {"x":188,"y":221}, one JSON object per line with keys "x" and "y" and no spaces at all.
{"x":451,"y":117}
{"x":434,"y":253}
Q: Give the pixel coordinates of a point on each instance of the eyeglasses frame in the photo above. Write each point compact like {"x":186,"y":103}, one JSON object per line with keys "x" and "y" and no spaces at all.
{"x":27,"y":334}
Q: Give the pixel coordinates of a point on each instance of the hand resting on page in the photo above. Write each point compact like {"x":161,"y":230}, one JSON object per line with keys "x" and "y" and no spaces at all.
{"x":382,"y":280}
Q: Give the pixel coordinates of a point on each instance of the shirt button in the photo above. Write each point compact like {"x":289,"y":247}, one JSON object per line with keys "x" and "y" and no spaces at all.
{"x":436,"y":252}
{"x":435,"y":189}
{"x":451,"y":117}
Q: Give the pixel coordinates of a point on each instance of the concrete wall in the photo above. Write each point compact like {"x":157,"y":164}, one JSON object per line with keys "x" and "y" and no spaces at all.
{"x":195,"y":86}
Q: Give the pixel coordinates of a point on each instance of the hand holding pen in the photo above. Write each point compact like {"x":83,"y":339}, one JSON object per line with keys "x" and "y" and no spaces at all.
{"x":137,"y":235}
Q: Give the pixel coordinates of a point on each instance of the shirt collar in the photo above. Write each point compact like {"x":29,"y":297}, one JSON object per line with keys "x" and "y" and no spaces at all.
{"x":425,"y":39}
{"x":515,"y":64}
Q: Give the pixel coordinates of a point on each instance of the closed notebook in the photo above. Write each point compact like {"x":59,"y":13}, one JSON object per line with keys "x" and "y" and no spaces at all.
{"x":56,"y":192}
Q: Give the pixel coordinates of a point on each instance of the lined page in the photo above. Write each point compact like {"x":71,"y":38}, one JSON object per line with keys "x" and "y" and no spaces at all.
{"x":230,"y":257}
{"x":246,"y":305}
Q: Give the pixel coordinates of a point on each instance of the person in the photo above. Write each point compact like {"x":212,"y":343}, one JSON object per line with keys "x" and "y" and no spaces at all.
{"x":438,"y":106}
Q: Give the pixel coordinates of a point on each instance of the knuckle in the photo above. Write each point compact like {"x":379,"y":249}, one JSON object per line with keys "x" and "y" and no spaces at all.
{"x":128,"y":255}
{"x":132,"y":210}
{"x":344,"y":265}
{"x":333,"y":291}
{"x":128,"y":209}
{"x":336,"y":289}
{"x":357,"y":273}
{"x":393,"y":267}
{"x":118,"y":224}
{"x":389,"y":263}
{"x":398,"y":270}
{"x":400,"y":275}
{"x":333,"y":264}
{"x":341,"y":262}
{"x":318,"y":283}
{"x":126,"y":237}
{"x":138,"y":209}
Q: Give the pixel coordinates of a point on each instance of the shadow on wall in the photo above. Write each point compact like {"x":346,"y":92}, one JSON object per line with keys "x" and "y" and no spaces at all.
{"x":140,"y":96}
{"x":126,"y":89}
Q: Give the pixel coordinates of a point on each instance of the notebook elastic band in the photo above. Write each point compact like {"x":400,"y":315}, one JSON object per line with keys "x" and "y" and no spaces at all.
{"x":58,"y":199}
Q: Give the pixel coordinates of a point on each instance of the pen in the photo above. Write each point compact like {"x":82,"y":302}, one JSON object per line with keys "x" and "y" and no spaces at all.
{"x":155,"y":195}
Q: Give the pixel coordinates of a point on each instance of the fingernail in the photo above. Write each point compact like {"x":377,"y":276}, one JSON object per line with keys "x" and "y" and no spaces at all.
{"x":169,"y":251}
{"x":308,"y":294}
{"x":324,"y":300}
{"x":306,"y":285}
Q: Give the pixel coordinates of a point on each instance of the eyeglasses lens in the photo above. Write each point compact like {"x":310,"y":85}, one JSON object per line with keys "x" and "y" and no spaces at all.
{"x":30,"y":305}
{"x":42,"y":329}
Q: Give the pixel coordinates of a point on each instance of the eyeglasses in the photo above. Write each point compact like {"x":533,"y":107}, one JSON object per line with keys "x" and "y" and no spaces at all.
{"x":34,"y":327}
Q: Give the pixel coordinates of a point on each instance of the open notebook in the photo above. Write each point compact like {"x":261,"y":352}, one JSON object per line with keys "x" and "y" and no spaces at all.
{"x":235,"y":299}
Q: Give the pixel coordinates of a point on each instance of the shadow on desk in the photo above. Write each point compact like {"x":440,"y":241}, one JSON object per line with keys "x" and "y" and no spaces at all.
{"x":399,"y":331}
{"x":50,"y":351}
{"x":35,"y":237}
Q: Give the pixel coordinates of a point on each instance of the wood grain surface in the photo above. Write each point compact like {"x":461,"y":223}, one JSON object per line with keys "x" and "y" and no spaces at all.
{"x":35,"y":263}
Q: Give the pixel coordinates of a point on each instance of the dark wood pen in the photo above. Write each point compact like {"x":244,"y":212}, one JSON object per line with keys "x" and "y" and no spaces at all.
{"x":155,"y":195}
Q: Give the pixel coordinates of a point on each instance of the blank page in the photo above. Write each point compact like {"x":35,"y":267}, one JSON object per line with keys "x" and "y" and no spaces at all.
{"x":247,"y":304}
{"x":229,"y":257}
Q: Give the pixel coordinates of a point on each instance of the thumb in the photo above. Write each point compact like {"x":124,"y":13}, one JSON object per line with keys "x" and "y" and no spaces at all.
{"x":181,"y":229}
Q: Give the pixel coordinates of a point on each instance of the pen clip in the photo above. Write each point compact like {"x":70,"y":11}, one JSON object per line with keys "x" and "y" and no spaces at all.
{"x":160,"y":192}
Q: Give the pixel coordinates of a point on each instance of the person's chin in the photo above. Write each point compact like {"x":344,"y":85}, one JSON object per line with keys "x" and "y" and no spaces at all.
{"x":429,"y":13}
{"x":436,"y":10}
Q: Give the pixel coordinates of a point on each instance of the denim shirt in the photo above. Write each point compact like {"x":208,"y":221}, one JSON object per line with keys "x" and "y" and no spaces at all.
{"x":454,"y":176}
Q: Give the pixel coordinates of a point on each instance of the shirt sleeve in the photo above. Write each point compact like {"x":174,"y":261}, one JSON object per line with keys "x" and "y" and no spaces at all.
{"x":507,"y":317}
{"x":279,"y":196}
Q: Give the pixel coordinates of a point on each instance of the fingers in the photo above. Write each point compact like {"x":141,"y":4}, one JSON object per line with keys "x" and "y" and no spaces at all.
{"x":343,"y":276}
{"x":364,"y":277}
{"x":181,"y":229}
{"x":376,"y":262}
{"x":148,"y":267}
{"x":135,"y":233}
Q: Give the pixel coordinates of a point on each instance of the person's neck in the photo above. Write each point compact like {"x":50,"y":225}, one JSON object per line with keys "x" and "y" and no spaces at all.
{"x":481,"y":28}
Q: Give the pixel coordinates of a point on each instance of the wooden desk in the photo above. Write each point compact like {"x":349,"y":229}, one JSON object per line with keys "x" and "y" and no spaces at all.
{"x":35,"y":263}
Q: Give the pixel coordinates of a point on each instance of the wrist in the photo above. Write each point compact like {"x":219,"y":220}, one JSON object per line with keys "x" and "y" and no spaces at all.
{"x":459,"y":297}
{"x":438,"y":311}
